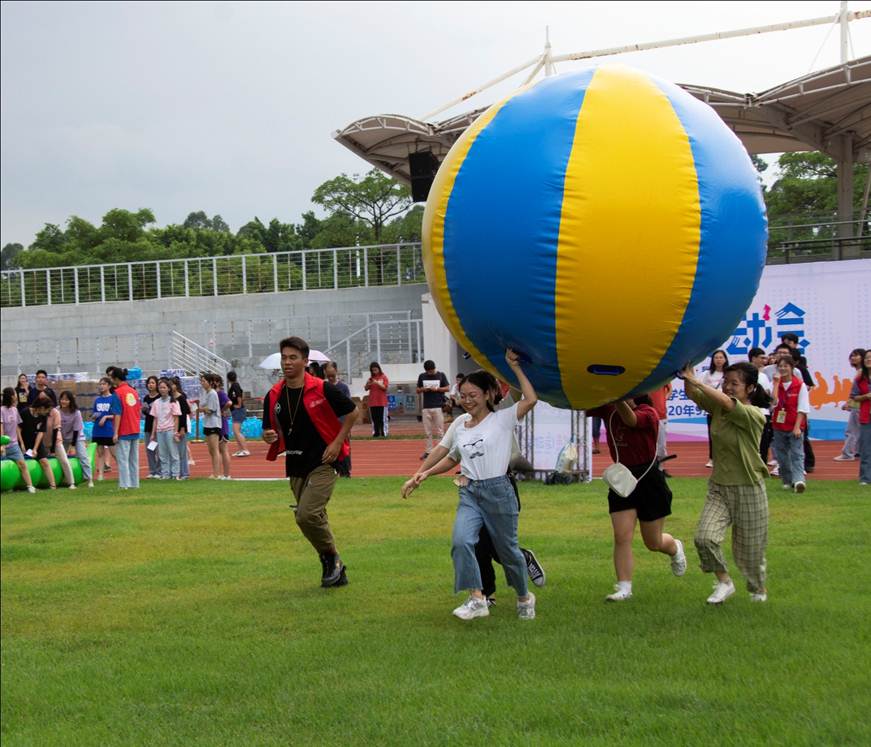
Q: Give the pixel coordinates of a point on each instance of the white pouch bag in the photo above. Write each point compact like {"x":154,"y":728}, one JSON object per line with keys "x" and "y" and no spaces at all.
{"x":620,"y":480}
{"x":617,"y":476}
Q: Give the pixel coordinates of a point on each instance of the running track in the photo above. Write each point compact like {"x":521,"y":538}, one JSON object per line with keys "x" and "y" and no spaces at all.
{"x":401,"y":456}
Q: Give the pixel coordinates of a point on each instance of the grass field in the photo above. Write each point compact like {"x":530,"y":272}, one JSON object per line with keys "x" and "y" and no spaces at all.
{"x":190,"y":614}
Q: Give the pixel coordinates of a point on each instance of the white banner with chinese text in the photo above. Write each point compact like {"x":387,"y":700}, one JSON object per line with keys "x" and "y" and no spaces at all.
{"x":828,"y":305}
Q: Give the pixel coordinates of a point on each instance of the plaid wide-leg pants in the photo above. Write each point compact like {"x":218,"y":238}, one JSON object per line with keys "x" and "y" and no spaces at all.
{"x":745,"y":508}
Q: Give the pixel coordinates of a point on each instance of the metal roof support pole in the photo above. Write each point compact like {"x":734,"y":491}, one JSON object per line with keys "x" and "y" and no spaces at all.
{"x":845,"y":32}
{"x":845,"y":198}
{"x":864,"y":211}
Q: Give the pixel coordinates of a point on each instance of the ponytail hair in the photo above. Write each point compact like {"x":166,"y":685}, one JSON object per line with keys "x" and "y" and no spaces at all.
{"x":750,"y":376}
{"x":119,"y":374}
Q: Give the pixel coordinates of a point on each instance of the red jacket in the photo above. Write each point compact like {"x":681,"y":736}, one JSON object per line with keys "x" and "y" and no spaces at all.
{"x":865,"y":404}
{"x":787,"y":399}
{"x":325,"y":421}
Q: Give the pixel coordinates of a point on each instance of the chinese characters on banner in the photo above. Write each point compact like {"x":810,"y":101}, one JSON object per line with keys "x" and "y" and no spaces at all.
{"x":761,"y":331}
{"x":827,"y":305}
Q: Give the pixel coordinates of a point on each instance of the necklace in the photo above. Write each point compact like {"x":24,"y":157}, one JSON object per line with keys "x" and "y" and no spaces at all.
{"x":291,"y":412}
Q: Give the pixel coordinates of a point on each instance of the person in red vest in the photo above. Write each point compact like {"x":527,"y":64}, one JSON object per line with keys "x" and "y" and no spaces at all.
{"x":126,"y":435}
{"x":788,"y":421}
{"x":861,"y":394}
{"x":301,"y":420}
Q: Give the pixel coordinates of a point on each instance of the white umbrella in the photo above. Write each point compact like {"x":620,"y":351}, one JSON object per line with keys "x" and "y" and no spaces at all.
{"x":274,"y":361}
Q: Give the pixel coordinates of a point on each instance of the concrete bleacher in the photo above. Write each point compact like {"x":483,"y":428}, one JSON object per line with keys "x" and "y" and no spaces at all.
{"x":243,"y":329}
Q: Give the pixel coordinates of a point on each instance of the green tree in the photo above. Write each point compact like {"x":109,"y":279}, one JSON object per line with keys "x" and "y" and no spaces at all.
{"x":406,"y":228}
{"x":197,"y":220}
{"x":9,"y":256}
{"x":276,"y":237}
{"x":125,"y":225}
{"x":341,"y":230}
{"x":372,"y":199}
{"x":806,"y":191}
{"x":308,"y":229}
{"x":219,"y":224}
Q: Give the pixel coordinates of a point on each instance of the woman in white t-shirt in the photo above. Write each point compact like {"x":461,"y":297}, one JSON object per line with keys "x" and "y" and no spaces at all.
{"x":484,"y":439}
{"x":713,"y":378}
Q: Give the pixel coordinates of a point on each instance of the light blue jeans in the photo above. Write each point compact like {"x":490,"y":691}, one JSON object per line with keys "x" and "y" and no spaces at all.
{"x":493,"y":504}
{"x":82,"y":456}
{"x":127,"y":456}
{"x":153,"y":458}
{"x":865,"y":453}
{"x":851,"y":437}
{"x":182,"y":446}
{"x":790,"y":457}
{"x":168,"y":448}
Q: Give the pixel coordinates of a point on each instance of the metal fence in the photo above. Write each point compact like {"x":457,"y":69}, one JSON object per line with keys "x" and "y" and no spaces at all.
{"x":324,"y":269}
{"x":387,"y":341}
{"x":315,"y":269}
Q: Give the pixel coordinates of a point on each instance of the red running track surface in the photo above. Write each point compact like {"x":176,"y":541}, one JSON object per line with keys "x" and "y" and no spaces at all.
{"x":401,"y":457}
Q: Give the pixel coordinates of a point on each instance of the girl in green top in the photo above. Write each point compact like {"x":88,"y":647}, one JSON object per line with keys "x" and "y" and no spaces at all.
{"x":736,"y":491}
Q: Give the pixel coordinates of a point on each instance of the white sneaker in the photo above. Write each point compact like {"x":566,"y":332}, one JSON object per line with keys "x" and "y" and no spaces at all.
{"x":31,"y":489}
{"x":90,"y":483}
{"x":73,"y":486}
{"x":776,"y":471}
{"x":722,"y":591}
{"x":759,"y":596}
{"x":679,"y":560}
{"x":526,"y":610}
{"x":845,"y":458}
{"x":787,"y":487}
{"x":472,"y":608}
{"x":800,"y":486}
{"x":772,"y":463}
{"x":710,"y":463}
{"x":621,"y":594}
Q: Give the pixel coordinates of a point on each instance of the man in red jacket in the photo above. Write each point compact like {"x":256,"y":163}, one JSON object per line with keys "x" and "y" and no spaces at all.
{"x":301,"y":420}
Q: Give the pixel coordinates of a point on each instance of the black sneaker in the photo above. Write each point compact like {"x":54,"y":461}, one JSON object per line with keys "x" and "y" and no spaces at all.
{"x":491,"y":601}
{"x":333,"y":568}
{"x":533,"y":567}
{"x":326,"y":565}
{"x":424,"y":455}
{"x":343,"y":578}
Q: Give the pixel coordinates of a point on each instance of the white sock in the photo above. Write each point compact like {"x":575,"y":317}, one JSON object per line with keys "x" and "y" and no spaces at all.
{"x":624,"y":585}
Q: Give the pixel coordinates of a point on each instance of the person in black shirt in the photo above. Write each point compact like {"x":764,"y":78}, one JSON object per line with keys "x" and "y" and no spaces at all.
{"x":238,"y":413}
{"x":41,"y":387}
{"x":432,"y":384}
{"x":299,"y":415}
{"x":147,"y":400}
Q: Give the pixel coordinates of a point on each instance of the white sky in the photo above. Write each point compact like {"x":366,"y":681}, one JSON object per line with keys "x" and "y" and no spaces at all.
{"x":229,"y":107}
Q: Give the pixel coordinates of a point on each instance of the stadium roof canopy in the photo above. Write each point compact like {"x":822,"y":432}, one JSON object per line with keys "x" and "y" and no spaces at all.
{"x":829,"y":111}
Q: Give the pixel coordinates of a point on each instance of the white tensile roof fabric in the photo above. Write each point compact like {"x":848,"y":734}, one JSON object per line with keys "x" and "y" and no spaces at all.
{"x":808,"y":113}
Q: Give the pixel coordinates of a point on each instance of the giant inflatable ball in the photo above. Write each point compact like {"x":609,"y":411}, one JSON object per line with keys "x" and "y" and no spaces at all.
{"x":606,"y":224}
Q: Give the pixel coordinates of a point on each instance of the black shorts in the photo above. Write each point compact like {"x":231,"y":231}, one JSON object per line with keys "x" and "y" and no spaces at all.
{"x":219,"y":432}
{"x":651,"y":498}
{"x":103,"y":440}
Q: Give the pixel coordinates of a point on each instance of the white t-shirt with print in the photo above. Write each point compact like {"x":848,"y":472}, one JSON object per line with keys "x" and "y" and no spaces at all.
{"x":484,"y":450}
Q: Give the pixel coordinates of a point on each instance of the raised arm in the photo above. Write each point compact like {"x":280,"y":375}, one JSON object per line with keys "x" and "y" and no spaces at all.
{"x":626,"y":413}
{"x":694,"y":388}
{"x":529,"y":397}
